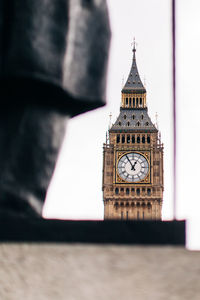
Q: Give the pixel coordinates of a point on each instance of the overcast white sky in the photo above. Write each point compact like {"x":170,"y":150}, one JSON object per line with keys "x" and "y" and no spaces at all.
{"x":149,"y":21}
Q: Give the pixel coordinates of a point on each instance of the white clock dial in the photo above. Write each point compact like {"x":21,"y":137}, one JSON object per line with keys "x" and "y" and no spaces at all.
{"x":133,"y":167}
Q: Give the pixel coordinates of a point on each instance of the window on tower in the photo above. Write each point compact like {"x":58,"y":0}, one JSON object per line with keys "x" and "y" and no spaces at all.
{"x":128,"y":138}
{"x":118,"y":138}
{"x":123,"y":139}
{"x":124,"y":117}
{"x":149,"y":205}
{"x":126,"y":101}
{"x":148,"y":192}
{"x":140,"y":101}
{"x":127,"y":191}
{"x":133,"y":117}
{"x":116,"y":191}
{"x":133,"y":139}
{"x":148,"y":139}
{"x":138,"y":191}
{"x":136,"y":101}
{"x":129,"y":102}
{"x":133,"y":102}
{"x":143,"y":139}
{"x":138,"y":139}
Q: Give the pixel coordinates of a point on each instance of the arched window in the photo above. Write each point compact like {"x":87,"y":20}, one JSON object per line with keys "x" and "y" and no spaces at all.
{"x":149,"y":205}
{"x":127,"y":191}
{"x":133,"y":139}
{"x":133,"y":102}
{"x":138,"y":123}
{"x":128,"y":123}
{"x":126,"y":101}
{"x":148,"y":139}
{"x":136,"y":101}
{"x":133,"y":190}
{"x":116,"y":191}
{"x":119,"y":123}
{"x":140,"y":101}
{"x":133,"y":117}
{"x":143,"y":139}
{"x":129,"y":102}
{"x":123,"y":139}
{"x":142,"y":117}
{"x":148,"y":192}
{"x":138,"y":191}
{"x":138,"y":139}
{"x":128,"y":138}
{"x":118,"y":138}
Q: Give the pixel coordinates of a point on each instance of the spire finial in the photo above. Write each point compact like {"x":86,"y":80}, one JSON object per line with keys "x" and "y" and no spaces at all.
{"x":156,"y":120}
{"x":134,"y":45}
{"x":122,"y":81}
{"x":144,"y":81}
{"x":110,"y":117}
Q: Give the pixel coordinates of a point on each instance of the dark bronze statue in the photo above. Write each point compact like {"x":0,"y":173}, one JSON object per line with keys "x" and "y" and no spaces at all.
{"x":53,"y":63}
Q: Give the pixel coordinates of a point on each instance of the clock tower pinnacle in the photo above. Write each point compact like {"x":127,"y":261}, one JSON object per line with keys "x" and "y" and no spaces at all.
{"x":133,"y":158}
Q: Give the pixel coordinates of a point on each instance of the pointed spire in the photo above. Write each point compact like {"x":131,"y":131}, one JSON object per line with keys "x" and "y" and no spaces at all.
{"x":134,"y":48}
{"x":134,"y":82}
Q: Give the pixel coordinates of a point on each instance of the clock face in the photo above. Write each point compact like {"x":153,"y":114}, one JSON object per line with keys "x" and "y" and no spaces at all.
{"x":133,"y":167}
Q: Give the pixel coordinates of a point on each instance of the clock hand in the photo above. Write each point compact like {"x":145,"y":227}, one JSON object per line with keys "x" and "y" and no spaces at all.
{"x":129,"y":161}
{"x":133,"y":166}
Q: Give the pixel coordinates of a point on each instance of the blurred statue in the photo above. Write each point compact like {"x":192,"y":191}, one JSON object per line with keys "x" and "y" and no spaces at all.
{"x":53,"y":64}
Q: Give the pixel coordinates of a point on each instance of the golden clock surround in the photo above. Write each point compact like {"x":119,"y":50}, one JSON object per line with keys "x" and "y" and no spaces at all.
{"x":119,"y":154}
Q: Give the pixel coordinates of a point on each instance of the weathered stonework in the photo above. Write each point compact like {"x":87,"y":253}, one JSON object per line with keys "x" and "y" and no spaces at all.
{"x":133,"y":133}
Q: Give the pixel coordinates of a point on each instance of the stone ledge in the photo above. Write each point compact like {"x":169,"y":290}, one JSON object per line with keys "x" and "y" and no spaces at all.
{"x":98,"y":232}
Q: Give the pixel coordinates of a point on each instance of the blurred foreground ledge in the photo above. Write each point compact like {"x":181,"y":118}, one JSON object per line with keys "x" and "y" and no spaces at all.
{"x":100,"y":232}
{"x":53,"y":259}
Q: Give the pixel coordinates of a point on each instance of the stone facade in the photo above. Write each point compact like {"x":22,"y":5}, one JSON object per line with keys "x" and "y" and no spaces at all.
{"x":133,"y":158}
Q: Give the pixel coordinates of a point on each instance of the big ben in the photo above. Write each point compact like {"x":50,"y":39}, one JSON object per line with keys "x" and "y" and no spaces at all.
{"x":133,"y":158}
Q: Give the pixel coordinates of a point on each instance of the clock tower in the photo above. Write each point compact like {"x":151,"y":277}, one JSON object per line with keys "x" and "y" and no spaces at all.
{"x":133,"y":158}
